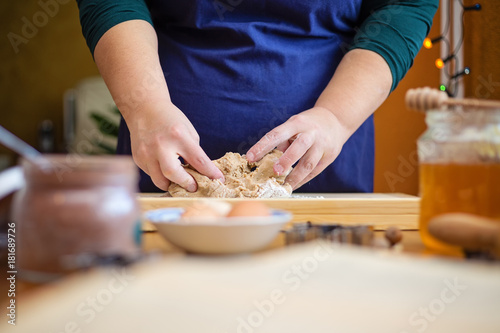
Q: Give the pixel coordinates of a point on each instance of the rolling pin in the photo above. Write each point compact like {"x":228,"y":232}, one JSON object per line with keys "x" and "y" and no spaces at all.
{"x":470,"y":232}
{"x":423,"y":99}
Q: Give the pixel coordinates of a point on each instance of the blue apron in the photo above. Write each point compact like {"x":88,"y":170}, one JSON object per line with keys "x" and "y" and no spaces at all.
{"x":239,"y":68}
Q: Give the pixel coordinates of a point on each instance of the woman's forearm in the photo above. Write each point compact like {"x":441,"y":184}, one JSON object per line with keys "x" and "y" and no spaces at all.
{"x":127,"y":58}
{"x":360,"y":84}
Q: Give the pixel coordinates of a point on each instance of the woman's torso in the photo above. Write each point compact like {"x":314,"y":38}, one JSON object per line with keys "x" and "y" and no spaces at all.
{"x":239,"y":68}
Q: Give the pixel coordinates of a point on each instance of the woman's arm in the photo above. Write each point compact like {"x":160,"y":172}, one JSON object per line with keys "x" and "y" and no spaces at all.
{"x":127,"y":57}
{"x":315,"y":137}
{"x":383,"y":51}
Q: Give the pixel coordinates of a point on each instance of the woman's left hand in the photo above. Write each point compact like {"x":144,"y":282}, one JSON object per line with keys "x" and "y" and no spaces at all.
{"x":314,"y":138}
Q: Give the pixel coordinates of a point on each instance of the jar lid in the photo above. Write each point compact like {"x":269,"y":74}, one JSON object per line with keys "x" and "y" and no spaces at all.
{"x":76,"y":170}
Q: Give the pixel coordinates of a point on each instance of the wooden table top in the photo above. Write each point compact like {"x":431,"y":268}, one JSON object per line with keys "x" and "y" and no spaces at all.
{"x":153,"y":242}
{"x":349,"y":290}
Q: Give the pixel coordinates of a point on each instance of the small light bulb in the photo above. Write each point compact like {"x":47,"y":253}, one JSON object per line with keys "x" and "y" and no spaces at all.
{"x":439,"y":63}
{"x":427,"y":43}
{"x":442,"y":87}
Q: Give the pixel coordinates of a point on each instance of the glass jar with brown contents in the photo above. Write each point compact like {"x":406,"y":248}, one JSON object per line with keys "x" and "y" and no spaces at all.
{"x":72,"y":206}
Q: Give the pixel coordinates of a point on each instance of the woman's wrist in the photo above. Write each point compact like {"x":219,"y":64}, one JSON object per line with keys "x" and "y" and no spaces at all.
{"x":146,"y":111}
{"x":360,"y":84}
{"x":342,"y":131}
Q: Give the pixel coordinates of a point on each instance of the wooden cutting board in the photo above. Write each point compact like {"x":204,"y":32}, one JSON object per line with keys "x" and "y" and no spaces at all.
{"x":378,"y":209}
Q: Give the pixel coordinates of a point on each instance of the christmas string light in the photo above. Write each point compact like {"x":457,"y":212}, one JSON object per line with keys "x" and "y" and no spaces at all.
{"x":441,"y":62}
{"x":451,"y":59}
{"x":476,"y":6}
{"x":428,"y":43}
{"x":465,"y":71}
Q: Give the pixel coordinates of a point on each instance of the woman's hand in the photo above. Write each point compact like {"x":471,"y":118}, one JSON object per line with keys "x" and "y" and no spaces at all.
{"x":127,"y":57}
{"x":159,"y":136}
{"x":314,"y":138}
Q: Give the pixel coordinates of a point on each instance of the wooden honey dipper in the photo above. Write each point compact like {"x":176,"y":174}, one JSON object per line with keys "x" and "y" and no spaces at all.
{"x":467,"y":231}
{"x":423,"y":99}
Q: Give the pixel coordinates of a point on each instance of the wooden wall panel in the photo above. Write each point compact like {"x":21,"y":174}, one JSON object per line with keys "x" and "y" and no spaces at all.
{"x":482,"y":50}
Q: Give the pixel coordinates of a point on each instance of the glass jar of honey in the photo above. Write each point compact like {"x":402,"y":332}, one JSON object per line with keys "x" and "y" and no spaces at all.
{"x":459,"y":157}
{"x":74,"y":206}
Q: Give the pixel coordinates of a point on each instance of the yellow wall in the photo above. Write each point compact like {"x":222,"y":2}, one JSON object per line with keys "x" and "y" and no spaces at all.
{"x":33,"y":81}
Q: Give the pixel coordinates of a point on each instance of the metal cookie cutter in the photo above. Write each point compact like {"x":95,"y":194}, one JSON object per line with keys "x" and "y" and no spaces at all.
{"x":363,"y":235}
{"x":302,"y":232}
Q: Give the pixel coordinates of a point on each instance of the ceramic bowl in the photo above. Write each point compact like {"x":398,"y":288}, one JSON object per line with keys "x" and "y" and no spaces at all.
{"x":225,"y":235}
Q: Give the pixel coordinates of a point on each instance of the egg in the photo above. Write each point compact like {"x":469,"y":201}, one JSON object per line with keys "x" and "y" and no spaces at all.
{"x":200,"y":211}
{"x":249,"y":208}
{"x":206,"y":210}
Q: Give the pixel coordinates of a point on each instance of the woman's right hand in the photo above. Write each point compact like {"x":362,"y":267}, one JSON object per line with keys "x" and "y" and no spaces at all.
{"x":159,"y":136}
{"x":127,"y":57}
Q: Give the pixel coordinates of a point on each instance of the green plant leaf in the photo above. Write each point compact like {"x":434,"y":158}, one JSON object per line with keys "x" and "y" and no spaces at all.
{"x":105,"y":125}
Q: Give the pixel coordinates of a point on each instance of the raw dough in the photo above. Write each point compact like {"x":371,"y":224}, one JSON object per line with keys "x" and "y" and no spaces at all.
{"x":243,"y":179}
